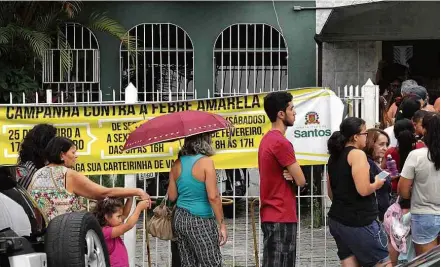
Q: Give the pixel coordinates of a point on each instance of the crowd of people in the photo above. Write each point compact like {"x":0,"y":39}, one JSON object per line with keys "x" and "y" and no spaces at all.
{"x":397,"y":217}
{"x":365,"y":205}
{"x":46,"y":169}
{"x":383,"y":183}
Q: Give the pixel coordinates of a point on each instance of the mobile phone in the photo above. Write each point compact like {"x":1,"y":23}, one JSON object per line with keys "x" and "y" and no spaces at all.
{"x":383,"y":175}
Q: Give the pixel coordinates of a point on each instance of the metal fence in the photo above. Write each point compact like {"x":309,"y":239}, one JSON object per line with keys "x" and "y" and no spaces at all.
{"x":315,"y":247}
{"x":159,"y":62}
{"x":249,"y":57}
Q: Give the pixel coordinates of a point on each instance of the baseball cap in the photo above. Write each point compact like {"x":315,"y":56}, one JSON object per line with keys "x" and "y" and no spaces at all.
{"x":419,"y":91}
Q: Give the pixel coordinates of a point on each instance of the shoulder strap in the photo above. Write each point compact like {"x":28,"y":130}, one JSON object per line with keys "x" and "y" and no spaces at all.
{"x":31,"y":184}
{"x":188,"y":162}
{"x":53,"y":180}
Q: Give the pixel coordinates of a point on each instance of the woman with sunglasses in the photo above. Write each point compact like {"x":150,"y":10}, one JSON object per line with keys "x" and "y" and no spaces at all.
{"x":353,"y":223}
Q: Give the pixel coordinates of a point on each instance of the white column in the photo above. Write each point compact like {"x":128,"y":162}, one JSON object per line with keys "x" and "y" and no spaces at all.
{"x":370,"y":103}
{"x":48,"y":96}
{"x":131,"y":97}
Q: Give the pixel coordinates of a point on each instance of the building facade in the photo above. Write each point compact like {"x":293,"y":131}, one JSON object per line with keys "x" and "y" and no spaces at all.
{"x":358,"y":38}
{"x":186,"y":49}
{"x":206,"y":48}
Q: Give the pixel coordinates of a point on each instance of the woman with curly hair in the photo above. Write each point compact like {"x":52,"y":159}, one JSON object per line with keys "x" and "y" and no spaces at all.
{"x":31,"y":155}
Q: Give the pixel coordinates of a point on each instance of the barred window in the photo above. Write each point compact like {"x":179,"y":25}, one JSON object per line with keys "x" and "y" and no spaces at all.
{"x":251,"y":57}
{"x":81,"y":81}
{"x":159,"y":62}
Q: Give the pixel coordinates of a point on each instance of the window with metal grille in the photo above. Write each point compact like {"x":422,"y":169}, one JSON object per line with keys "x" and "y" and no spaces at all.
{"x":158,"y":62}
{"x":251,"y":57}
{"x":81,"y":81}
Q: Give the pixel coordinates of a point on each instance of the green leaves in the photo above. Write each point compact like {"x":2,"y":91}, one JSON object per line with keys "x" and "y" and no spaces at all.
{"x":101,"y":22}
{"x":71,"y":8}
{"x":65,"y":52}
{"x":29,"y":29}
{"x":37,"y":41}
{"x":17,"y":82}
{"x":5,"y":34}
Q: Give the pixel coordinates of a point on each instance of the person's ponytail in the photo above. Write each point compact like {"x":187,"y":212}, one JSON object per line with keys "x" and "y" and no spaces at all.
{"x":338,"y":140}
{"x":336,"y":144}
{"x":406,"y":143}
{"x":404,"y":131}
{"x":432,"y":138}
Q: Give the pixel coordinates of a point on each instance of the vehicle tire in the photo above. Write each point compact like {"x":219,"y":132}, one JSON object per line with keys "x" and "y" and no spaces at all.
{"x":70,"y":236}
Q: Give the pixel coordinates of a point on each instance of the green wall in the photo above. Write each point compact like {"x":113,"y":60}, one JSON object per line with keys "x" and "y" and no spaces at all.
{"x":204,"y":21}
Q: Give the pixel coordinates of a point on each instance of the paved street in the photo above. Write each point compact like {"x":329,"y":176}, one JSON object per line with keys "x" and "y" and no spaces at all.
{"x":313,"y":250}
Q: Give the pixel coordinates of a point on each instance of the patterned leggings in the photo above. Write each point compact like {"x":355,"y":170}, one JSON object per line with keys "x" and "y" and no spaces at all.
{"x":197,"y":239}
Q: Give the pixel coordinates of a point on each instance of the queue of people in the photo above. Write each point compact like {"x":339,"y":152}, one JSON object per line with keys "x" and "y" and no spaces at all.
{"x":361,"y":199}
{"x":397,"y":216}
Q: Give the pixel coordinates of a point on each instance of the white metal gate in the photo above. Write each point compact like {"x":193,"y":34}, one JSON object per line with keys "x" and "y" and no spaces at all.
{"x":80,"y":80}
{"x":249,"y":58}
{"x":159,"y":62}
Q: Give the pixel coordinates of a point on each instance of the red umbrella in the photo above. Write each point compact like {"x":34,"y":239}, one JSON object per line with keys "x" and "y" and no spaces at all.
{"x":174,"y":126}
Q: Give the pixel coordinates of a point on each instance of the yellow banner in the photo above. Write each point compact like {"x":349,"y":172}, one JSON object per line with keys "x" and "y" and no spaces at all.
{"x":100,"y":131}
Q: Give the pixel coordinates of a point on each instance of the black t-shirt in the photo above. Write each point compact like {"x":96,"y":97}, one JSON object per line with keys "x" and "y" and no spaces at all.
{"x":348,"y":206}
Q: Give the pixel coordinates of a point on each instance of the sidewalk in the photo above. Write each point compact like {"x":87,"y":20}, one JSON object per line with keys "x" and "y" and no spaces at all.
{"x":311,"y":249}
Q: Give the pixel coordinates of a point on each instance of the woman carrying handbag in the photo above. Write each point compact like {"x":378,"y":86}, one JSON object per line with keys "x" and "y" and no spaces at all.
{"x":193,"y":185}
{"x":160,"y":226}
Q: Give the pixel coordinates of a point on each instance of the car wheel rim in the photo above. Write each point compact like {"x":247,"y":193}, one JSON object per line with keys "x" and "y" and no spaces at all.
{"x":94,"y":256}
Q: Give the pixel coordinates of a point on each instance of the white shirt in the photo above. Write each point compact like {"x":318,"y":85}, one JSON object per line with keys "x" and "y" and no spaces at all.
{"x":426,"y":187}
{"x":390,"y":131}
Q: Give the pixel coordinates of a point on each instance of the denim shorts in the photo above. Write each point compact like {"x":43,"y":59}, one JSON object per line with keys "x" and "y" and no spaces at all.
{"x":367,"y":243}
{"x":425,"y":228}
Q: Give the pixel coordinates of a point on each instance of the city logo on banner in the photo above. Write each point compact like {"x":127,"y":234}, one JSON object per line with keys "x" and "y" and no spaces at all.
{"x":312,"y":127}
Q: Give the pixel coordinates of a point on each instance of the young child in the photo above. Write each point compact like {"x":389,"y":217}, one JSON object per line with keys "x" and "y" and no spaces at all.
{"x":111,"y":213}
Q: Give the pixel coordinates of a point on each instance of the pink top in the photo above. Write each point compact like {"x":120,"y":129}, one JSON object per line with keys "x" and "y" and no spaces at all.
{"x":117,"y":250}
